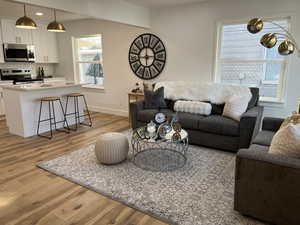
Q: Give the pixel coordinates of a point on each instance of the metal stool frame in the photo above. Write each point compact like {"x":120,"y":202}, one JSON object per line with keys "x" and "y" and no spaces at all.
{"x":76,"y":112}
{"x":52,"y":117}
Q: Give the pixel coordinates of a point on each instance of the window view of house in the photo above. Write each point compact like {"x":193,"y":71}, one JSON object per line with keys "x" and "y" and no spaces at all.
{"x":89,"y":59}
{"x":243,"y":60}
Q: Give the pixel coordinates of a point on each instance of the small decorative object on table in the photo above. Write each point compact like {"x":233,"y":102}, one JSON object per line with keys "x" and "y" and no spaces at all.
{"x":177,"y":129}
{"x":137,"y":89}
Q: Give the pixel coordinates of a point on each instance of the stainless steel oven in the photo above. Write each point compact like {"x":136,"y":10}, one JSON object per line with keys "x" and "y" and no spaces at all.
{"x":18,"y":53}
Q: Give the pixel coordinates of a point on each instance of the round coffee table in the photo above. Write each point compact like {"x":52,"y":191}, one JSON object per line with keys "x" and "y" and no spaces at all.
{"x":158,"y":154}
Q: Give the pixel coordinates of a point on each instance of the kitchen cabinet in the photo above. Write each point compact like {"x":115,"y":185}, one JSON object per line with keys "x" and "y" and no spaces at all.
{"x":45,"y":45}
{"x":11,"y":34}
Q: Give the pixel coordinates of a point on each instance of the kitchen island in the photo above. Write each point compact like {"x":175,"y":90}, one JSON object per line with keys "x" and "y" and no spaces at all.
{"x":22,"y":105}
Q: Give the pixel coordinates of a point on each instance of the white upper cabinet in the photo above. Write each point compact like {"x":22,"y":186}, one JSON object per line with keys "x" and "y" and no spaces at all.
{"x":45,"y":42}
{"x":11,"y":34}
{"x":45,"y":45}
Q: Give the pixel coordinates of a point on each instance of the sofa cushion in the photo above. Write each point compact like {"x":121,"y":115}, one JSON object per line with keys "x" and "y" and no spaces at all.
{"x":264,"y":138}
{"x":189,"y":120}
{"x":147,"y":115}
{"x":219,"y":125}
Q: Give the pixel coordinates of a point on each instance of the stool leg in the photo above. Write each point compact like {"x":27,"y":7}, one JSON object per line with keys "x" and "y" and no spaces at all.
{"x":49,"y":104}
{"x":54,"y":119}
{"x":38,"y":128}
{"x":88,"y":112}
{"x":76,"y":113}
{"x":64,"y":113}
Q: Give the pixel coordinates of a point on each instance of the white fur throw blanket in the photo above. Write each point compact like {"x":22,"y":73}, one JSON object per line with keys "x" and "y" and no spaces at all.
{"x":195,"y":91}
{"x":201,"y":108}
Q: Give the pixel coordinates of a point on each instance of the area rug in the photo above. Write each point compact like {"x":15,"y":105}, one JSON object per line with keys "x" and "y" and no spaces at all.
{"x":200,"y":193}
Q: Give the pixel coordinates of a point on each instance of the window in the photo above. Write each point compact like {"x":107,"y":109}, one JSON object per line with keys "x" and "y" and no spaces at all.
{"x":88,"y":60}
{"x":241,"y":59}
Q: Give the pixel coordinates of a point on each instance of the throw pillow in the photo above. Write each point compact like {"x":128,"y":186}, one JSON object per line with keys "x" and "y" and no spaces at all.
{"x":154,"y":99}
{"x":201,"y":108}
{"x":234,"y":107}
{"x":294,"y":119}
{"x":287,"y":141}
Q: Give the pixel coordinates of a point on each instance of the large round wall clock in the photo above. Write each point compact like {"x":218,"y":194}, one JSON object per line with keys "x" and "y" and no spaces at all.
{"x":147,"y":56}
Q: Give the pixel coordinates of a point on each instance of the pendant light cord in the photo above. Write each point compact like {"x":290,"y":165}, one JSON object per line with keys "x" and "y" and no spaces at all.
{"x":24,"y":10}
{"x":54,"y":15}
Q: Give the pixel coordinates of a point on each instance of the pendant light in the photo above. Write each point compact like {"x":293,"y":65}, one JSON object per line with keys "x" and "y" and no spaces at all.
{"x":55,"y":26}
{"x":25,"y":22}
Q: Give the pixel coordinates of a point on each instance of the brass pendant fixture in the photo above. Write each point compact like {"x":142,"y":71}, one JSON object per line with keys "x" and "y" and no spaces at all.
{"x":56,"y":26}
{"x":25,"y":22}
{"x":268,"y":40}
{"x":255,"y":25}
{"x":287,"y":47}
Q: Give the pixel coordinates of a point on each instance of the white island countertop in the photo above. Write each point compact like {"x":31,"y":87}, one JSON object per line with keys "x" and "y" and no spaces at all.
{"x":40,"y":86}
{"x":22,"y":105}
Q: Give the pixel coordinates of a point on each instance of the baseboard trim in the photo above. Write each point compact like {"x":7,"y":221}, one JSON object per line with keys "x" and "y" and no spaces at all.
{"x":117,"y":112}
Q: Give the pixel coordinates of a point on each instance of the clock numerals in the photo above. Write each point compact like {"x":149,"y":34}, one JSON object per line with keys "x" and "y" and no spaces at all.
{"x":146,"y":40}
{"x":135,"y":66}
{"x":154,"y":71}
{"x":147,"y":73}
{"x":158,"y":64}
{"x":134,"y":49}
{"x":161,"y":56}
{"x":140,"y":71}
{"x":139,"y":43}
{"x":133,"y":58}
{"x":153,"y":41}
{"x":158,"y":47}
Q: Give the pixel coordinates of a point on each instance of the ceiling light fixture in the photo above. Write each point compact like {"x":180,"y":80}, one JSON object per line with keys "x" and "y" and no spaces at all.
{"x":25,"y":22}
{"x":39,"y":13}
{"x":56,"y":26}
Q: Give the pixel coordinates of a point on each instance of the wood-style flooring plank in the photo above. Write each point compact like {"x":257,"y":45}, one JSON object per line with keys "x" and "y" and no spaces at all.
{"x":32,"y":196}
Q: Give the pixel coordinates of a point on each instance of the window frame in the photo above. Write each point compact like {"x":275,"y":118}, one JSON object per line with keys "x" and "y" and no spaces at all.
{"x":77,"y":62}
{"x":284,"y":61}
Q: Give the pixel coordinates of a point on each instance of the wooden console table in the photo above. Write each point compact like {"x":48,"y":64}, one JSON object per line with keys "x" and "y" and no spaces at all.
{"x":134,"y":97}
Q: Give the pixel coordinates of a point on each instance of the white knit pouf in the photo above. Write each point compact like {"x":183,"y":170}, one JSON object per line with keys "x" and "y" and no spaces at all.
{"x":111,"y":148}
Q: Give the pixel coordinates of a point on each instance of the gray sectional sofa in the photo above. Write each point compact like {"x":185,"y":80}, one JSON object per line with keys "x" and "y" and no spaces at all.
{"x":213,"y":131}
{"x":267,"y":185}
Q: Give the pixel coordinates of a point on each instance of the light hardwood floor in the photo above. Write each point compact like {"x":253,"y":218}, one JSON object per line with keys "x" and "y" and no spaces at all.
{"x":32,"y":196}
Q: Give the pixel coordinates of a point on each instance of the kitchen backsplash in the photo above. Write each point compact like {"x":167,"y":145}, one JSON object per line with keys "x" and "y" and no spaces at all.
{"x":48,"y":68}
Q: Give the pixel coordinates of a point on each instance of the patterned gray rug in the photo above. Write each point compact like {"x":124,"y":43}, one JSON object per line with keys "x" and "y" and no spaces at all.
{"x":200,"y":193}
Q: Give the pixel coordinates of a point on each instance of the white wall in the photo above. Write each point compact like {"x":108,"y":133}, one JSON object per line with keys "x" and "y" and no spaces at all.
{"x":118,"y":77}
{"x":190,"y":33}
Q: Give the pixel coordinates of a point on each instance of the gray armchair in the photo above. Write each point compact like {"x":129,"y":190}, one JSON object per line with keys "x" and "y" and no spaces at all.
{"x":267,"y":186}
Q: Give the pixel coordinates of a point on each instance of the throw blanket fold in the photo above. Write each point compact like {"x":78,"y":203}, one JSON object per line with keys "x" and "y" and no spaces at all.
{"x":195,"y":91}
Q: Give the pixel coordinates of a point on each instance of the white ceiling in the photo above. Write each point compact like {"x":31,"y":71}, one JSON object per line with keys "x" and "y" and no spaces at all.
{"x":13,"y":10}
{"x":162,"y":3}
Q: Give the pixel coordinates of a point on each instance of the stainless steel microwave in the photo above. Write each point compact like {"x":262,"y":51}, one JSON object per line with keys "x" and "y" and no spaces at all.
{"x":18,"y":52}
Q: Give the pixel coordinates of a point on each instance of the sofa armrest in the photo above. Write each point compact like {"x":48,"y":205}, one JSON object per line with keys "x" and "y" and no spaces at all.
{"x":272,"y":124}
{"x":135,"y":107}
{"x":267,"y":186}
{"x":249,"y":125}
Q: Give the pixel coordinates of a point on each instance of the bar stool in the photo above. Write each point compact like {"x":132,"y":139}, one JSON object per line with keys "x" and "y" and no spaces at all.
{"x":76,"y":112}
{"x":51,"y":116}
